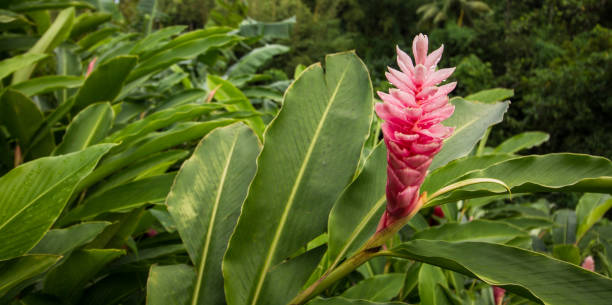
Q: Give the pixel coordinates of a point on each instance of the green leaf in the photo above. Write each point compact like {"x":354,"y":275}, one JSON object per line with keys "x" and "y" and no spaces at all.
{"x":170,"y":285}
{"x":154,"y":143}
{"x":32,"y":201}
{"x":475,"y":230}
{"x":148,"y":10}
{"x":183,"y":97}
{"x":68,"y":279}
{"x":205,"y":202}
{"x":89,"y":127}
{"x":56,"y":34}
{"x":444,"y":175}
{"x":528,"y":223}
{"x":432,"y":282}
{"x":491,"y":95}
{"x":50,"y":83}
{"x":152,"y":40}
{"x":24,"y":268}
{"x":344,"y":301}
{"x":545,"y":173}
{"x":258,"y":57}
{"x":105,"y":82}
{"x":88,"y":22}
{"x":564,"y":231}
{"x":267,"y":30}
{"x":62,"y":241}
{"x":184,"y":51}
{"x":470,"y":120}
{"x":123,"y":198}
{"x":153,"y":165}
{"x":521,"y":141}
{"x":224,"y":92}
{"x":22,"y":119}
{"x":379,"y":288}
{"x":568,"y":253}
{"x":527,"y":273}
{"x":591,"y":208}
{"x":18,"y":62}
{"x":313,"y":147}
{"x":354,"y":217}
{"x":159,"y":120}
{"x":28,"y":6}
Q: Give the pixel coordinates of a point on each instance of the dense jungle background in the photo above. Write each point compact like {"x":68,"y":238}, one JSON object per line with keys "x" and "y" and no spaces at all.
{"x":555,"y":54}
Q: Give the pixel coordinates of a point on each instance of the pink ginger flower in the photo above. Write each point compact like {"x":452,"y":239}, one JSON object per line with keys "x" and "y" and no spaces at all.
{"x":589,"y":263}
{"x":413,"y":133}
{"x":498,"y":295}
{"x":91,"y":66}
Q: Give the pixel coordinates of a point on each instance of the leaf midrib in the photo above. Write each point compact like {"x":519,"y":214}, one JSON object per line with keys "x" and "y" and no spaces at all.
{"x":198,"y":285}
{"x":31,"y":202}
{"x":358,"y":230}
{"x":294,"y":189}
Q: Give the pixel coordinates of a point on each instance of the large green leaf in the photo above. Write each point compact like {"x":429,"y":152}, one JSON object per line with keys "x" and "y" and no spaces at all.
{"x":62,"y":241}
{"x":154,"y":143}
{"x":444,"y":175}
{"x":226,"y":92}
{"x":178,"y":53}
{"x":18,"y":62}
{"x":22,"y":119}
{"x":354,"y":217}
{"x":345,"y":301}
{"x":313,"y":147}
{"x":105,"y":82}
{"x":37,"y":5}
{"x":56,"y":34}
{"x":590,"y":209}
{"x":45,"y":84}
{"x":258,"y":57}
{"x":521,"y":141}
{"x":153,"y":165}
{"x":476,"y":230}
{"x":159,"y":120}
{"x":432,"y":282}
{"x":545,"y":173}
{"x":379,"y":288}
{"x":24,"y":268}
{"x":88,"y":22}
{"x":31,"y":201}
{"x":89,"y":127}
{"x":123,"y":198}
{"x":267,"y":30}
{"x":170,"y":285}
{"x":68,"y":279}
{"x":564,"y":231}
{"x":524,"y":272}
{"x":491,"y":95}
{"x":205,"y":202}
{"x":152,"y":40}
{"x":471,"y":120}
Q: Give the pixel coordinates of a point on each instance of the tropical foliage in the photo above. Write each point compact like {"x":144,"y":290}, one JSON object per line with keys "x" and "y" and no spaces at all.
{"x":159,"y":165}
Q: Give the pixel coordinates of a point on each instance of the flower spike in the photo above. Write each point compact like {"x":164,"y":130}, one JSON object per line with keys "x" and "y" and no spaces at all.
{"x":412,"y":130}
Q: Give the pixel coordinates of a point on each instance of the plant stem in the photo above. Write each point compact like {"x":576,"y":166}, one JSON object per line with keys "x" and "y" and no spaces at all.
{"x":327,"y":280}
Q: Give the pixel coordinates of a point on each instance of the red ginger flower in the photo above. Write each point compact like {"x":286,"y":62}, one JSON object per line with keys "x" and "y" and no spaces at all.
{"x":413,"y":133}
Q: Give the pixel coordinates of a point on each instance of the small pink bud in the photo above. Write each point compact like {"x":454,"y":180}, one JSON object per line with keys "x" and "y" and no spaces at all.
{"x":91,"y":66}
{"x":589,"y":263}
{"x":438,"y":211}
{"x":498,"y":295}
{"x":151,"y":232}
{"x":412,"y":130}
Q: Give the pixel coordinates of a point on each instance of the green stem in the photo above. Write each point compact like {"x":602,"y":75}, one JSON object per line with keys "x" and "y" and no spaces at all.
{"x":371,"y":248}
{"x":327,"y":280}
{"x":483,"y":142}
